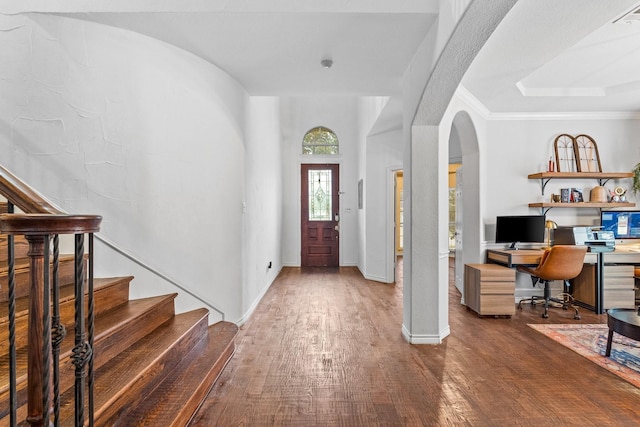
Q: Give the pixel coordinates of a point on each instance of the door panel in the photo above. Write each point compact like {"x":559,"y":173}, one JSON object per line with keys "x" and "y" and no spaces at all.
{"x":320,"y":215}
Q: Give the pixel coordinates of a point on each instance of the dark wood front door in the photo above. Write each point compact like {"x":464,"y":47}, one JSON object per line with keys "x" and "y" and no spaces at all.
{"x":320,"y":215}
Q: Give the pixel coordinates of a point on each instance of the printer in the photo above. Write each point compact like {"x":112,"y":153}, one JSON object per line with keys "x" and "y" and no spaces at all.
{"x":596,"y":240}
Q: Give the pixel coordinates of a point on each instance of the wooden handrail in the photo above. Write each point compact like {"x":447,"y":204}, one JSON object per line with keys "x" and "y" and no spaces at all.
{"x":40,"y":224}
{"x":23,"y":196}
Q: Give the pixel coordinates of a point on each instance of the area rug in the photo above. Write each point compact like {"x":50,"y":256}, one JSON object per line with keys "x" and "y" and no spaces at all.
{"x":590,"y":341}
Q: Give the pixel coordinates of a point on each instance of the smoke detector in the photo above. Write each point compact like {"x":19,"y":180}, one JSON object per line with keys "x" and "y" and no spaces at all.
{"x":326,"y":63}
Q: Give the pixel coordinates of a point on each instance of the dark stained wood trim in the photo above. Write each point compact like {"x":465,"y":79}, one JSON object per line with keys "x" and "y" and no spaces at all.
{"x":23,"y":196}
{"x":32,"y":224}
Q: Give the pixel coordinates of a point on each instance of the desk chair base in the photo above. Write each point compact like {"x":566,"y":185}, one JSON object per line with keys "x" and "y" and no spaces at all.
{"x":565,"y":302}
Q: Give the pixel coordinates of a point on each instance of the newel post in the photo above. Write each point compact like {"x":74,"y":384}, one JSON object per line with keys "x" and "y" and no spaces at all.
{"x":39,"y":230}
{"x":38,"y":360}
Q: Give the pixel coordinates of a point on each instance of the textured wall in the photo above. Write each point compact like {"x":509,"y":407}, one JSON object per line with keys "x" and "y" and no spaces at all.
{"x":106,"y":121}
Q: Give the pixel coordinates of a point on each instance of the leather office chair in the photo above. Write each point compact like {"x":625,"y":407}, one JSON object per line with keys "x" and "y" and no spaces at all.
{"x":560,"y":262}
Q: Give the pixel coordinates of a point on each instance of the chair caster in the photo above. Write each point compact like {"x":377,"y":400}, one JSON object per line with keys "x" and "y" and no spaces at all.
{"x":576,"y":317}
{"x":545,"y":315}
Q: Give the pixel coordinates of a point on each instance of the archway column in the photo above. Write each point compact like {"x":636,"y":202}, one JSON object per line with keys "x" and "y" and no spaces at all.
{"x":426,"y":268}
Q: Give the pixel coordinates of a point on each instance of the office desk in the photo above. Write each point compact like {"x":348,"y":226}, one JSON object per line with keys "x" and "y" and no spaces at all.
{"x":514,"y":257}
{"x":589,"y":286}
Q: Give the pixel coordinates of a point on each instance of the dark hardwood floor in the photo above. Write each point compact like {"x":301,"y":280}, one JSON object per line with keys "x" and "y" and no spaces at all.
{"x":324,"y":348}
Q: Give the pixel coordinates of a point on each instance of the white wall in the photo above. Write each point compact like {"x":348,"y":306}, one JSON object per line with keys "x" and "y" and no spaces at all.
{"x":106,"y":121}
{"x":527,"y":144}
{"x":369,"y":113}
{"x":299,"y":115}
{"x":263,"y":201}
{"x":384,"y":155}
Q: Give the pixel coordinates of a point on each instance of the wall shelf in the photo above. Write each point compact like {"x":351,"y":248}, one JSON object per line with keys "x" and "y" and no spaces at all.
{"x":601,"y":177}
{"x":545,"y":206}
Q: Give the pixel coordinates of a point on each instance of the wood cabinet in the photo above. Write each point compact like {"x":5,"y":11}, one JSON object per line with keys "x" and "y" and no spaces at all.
{"x":617,"y":290}
{"x":489,"y":289}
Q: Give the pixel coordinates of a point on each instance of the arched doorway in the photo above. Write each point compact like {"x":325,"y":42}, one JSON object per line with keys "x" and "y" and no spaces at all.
{"x":425,"y":305}
{"x":468,"y":248}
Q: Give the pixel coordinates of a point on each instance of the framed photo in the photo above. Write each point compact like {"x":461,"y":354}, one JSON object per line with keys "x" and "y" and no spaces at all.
{"x":576,"y":195}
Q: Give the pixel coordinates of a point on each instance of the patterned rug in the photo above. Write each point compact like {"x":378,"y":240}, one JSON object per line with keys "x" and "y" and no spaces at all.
{"x":590,"y":341}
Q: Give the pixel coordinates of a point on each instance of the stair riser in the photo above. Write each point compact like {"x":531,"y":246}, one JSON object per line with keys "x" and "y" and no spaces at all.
{"x":189,"y":408}
{"x":144,"y":385}
{"x":175,"y":401}
{"x":21,"y":246}
{"x":66,"y":275}
{"x":121,"y":339}
{"x":109,"y":346}
{"x":104,"y":299}
{"x":106,"y":346}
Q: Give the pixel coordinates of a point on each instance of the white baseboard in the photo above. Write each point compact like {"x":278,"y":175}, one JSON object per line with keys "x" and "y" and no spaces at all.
{"x":253,"y":307}
{"x":375,"y":278}
{"x":425,"y":339}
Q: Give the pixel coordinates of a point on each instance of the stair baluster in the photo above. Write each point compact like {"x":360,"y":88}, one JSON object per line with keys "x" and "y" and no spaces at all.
{"x":82,"y":352}
{"x":58,"y":331}
{"x":90,"y":330}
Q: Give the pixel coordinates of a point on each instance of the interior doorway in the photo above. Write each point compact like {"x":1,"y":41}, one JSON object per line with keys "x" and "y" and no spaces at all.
{"x":398,"y":209}
{"x":464,"y":149}
{"x":399,"y":212}
{"x":320,"y":215}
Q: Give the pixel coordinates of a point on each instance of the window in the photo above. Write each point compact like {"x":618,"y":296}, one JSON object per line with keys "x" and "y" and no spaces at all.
{"x":320,"y":140}
{"x":320,"y":195}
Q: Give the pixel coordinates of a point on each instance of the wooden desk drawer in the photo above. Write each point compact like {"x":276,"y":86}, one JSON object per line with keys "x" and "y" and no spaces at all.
{"x":618,"y":283}
{"x":497,"y":305}
{"x":489,"y":289}
{"x":492,"y":272}
{"x":619,"y":298}
{"x":611,"y":271}
{"x":618,"y":286}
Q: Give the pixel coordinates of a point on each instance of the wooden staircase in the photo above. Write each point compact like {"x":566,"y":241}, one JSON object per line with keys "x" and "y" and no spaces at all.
{"x":152,"y":366}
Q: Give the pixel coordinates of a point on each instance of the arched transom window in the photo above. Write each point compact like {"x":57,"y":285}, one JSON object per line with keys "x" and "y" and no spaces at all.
{"x":320,"y":140}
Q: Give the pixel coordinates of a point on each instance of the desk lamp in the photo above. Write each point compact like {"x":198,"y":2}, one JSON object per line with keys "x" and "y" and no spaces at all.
{"x":549,"y":225}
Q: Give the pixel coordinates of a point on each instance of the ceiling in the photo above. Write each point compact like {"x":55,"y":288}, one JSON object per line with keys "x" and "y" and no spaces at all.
{"x":276,"y":47}
{"x":574,"y":59}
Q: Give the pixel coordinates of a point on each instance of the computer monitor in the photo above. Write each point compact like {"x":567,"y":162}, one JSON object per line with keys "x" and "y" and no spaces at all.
{"x":515,"y":229}
{"x":625,"y":225}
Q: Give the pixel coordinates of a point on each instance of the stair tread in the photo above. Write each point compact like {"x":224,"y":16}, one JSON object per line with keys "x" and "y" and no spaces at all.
{"x":115,"y":377}
{"x":182,"y":392}
{"x":66,"y":274}
{"x":104,"y":326}
{"x":66,"y":293}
